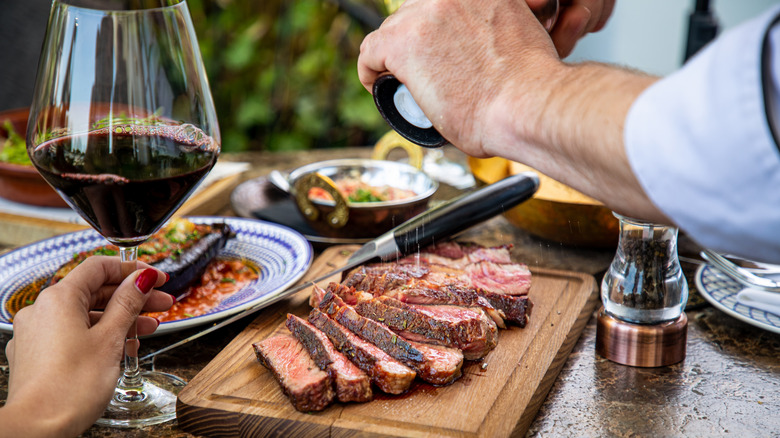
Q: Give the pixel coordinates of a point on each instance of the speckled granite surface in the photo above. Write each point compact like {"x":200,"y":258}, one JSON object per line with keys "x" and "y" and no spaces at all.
{"x":729,"y":383}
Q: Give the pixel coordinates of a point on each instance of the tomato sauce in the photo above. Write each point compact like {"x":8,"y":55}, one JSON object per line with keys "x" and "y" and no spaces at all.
{"x":355,"y":190}
{"x":221,"y":279}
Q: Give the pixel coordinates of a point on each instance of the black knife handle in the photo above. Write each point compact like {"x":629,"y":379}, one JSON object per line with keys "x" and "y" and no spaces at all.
{"x":460,"y":213}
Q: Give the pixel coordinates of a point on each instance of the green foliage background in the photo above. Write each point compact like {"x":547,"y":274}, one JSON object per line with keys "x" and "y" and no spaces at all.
{"x":283,"y":74}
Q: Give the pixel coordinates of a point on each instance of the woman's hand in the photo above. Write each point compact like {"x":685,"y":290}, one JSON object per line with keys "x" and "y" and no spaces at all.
{"x":64,"y":357}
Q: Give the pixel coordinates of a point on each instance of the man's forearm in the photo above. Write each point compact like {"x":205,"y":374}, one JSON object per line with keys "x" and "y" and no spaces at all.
{"x":572,"y":130}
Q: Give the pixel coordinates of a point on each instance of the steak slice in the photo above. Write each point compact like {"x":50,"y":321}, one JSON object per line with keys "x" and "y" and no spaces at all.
{"x":505,"y":278}
{"x":434,"y":364}
{"x":438,"y":284}
{"x":489,"y":269}
{"x":308,"y":387}
{"x":458,"y":255}
{"x":417,"y":285}
{"x":388,"y":374}
{"x":352,"y":384}
{"x":467,"y":329}
{"x":515,"y":308}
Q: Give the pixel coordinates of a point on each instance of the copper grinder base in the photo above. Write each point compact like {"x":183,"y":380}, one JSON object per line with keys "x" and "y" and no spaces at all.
{"x":641,"y":345}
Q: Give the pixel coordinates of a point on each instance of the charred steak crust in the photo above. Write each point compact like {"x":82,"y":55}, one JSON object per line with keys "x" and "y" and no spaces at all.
{"x":388,"y":374}
{"x":515,"y":308}
{"x":352,"y":383}
{"x":458,"y":327}
{"x":437,"y":284}
{"x":438,"y":366}
{"x":408,"y":281}
{"x":308,"y":387}
{"x":369,"y":330}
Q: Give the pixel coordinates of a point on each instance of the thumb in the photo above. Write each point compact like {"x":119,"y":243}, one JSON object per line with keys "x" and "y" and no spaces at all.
{"x":128,"y":300}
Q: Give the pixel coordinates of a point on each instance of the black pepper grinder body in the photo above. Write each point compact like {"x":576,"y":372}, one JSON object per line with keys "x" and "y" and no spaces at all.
{"x":399,"y":109}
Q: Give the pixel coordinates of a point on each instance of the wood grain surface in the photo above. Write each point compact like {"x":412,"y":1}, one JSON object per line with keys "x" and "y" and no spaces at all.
{"x":236,"y":396}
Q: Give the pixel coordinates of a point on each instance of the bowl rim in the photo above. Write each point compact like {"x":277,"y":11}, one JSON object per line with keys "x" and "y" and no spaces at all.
{"x":18,"y":168}
{"x":367,"y":162}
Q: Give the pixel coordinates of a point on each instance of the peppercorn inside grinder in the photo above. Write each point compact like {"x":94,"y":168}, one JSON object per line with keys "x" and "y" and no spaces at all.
{"x":400,"y":110}
{"x":643,"y":293}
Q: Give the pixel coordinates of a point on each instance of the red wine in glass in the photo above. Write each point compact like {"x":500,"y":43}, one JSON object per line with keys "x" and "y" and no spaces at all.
{"x":125,"y":184}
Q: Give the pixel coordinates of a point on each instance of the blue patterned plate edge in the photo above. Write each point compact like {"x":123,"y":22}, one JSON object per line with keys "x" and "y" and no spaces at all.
{"x":721,"y":291}
{"x":282,"y":254}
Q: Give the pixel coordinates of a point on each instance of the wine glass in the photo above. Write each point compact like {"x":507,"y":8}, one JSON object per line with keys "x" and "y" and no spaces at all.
{"x":123,"y":126}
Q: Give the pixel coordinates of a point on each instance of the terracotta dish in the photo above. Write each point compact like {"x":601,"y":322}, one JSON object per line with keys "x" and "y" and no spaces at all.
{"x":556,"y":212}
{"x":20,"y":183}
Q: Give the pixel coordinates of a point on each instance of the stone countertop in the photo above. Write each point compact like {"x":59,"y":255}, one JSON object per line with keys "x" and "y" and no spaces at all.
{"x":728,"y":383}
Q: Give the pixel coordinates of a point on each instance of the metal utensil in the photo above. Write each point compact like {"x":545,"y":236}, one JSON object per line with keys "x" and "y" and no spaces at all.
{"x":757,"y":268}
{"x":279,"y":180}
{"x":436,"y":224}
{"x":739,"y":274}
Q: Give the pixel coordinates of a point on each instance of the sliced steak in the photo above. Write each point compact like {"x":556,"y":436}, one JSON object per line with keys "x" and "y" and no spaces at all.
{"x":412,"y":284}
{"x":459,"y":255}
{"x":489,"y":269}
{"x":454,"y":282}
{"x":308,"y":387}
{"x":467,"y":329}
{"x":390,"y":375}
{"x":434,"y":364}
{"x":515,"y":308}
{"x":350,"y":295}
{"x":505,"y":278}
{"x":352,"y":383}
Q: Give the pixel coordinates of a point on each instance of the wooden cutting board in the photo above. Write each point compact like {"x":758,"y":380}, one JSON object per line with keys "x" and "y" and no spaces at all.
{"x":236,"y":396}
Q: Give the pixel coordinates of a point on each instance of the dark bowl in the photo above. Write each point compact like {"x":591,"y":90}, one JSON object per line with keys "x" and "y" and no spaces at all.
{"x":364,"y":219}
{"x":20,"y":183}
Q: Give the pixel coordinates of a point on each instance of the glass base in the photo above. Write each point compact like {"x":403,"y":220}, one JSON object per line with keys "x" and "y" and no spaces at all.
{"x":154,"y":404}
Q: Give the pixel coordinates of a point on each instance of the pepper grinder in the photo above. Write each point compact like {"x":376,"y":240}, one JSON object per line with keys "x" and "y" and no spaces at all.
{"x":399,"y":109}
{"x":643,"y":293}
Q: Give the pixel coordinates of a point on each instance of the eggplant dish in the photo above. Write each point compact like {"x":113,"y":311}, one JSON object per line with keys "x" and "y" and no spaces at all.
{"x":187,"y":252}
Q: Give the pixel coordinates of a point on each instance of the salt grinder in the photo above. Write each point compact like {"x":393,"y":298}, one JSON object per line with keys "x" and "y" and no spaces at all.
{"x":399,"y":109}
{"x":643,"y":293}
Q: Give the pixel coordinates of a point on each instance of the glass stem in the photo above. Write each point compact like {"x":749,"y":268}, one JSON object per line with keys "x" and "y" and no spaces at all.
{"x":131,"y":377}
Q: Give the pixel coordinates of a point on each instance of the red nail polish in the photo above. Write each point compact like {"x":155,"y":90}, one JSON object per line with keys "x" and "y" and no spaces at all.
{"x":167,"y":277}
{"x":174,"y":298}
{"x":146,"y":280}
{"x":158,"y":323}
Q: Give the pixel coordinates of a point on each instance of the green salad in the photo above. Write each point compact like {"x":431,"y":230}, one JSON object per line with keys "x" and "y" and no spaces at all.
{"x":13,"y":149}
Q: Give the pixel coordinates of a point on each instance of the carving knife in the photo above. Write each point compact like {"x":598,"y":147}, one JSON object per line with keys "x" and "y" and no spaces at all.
{"x":438,"y":223}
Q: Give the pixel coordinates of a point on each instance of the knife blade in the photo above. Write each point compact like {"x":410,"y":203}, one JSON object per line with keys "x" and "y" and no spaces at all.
{"x":443,"y":221}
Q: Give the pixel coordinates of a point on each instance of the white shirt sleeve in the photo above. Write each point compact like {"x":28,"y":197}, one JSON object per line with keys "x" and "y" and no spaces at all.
{"x":701,"y":145}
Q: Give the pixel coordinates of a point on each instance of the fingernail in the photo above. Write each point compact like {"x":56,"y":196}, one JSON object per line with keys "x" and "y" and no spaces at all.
{"x":174,"y":298}
{"x":167,"y":277}
{"x":158,"y":323}
{"x":146,"y":280}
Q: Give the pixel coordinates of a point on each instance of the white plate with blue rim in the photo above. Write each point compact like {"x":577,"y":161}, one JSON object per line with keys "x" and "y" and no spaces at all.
{"x":282,"y":255}
{"x":721,"y":291}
